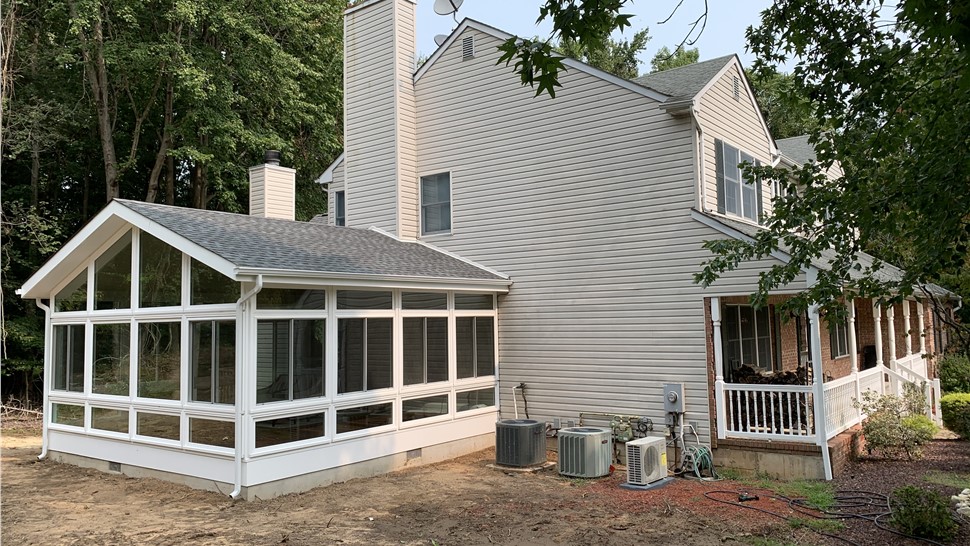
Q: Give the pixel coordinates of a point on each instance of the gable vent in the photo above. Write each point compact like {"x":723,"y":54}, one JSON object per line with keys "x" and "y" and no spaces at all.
{"x":737,"y":88}
{"x":467,"y":47}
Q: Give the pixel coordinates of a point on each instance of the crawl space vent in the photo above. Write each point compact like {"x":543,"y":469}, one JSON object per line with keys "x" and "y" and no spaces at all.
{"x":467,"y":47}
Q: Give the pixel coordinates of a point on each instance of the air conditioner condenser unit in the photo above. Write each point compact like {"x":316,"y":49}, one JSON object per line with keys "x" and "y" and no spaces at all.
{"x":646,"y":460}
{"x":585,"y":452}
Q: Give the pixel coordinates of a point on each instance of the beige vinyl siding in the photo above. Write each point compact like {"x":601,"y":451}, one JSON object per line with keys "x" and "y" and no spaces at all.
{"x":337,"y":184}
{"x":272,"y":192}
{"x":406,"y":137}
{"x":369,"y":117}
{"x":584,"y":200}
{"x":736,"y":122}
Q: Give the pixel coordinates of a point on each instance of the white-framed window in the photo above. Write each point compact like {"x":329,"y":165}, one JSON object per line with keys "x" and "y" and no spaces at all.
{"x":68,"y":357}
{"x":735,"y":194}
{"x":339,"y":208}
{"x":746,"y":335}
{"x":436,"y":203}
{"x":839,"y":339}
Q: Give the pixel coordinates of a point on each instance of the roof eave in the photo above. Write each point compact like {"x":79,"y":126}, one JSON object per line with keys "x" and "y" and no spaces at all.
{"x":371,"y":279}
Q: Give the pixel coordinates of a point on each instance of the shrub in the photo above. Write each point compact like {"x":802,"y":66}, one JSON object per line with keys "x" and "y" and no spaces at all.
{"x":925,"y":514}
{"x":955,"y":373}
{"x":956,"y":413}
{"x":896,"y":424}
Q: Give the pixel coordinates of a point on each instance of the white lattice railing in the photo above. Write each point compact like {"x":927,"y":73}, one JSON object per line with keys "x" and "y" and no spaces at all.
{"x":840,"y":410}
{"x":872,"y":380}
{"x":776,"y":412}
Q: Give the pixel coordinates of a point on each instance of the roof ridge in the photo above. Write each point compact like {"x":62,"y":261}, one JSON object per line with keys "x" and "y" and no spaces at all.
{"x":691,"y":65}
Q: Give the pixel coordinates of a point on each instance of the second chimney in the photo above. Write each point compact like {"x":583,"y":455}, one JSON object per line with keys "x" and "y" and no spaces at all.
{"x":272,"y":189}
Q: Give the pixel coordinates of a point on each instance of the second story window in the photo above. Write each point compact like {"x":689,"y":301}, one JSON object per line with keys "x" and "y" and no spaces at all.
{"x":436,"y":203}
{"x":339,"y":208}
{"x":735,"y":194}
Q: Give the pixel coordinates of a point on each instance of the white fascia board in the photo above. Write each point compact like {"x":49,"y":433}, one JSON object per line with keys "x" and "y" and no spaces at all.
{"x":735,"y":62}
{"x":103,"y":226}
{"x":327,"y":176}
{"x":735,"y":234}
{"x":570,"y":63}
{"x":301,"y":277}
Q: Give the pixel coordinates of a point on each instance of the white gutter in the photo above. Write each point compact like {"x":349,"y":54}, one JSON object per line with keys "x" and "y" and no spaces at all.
{"x":242,"y":358}
{"x":45,"y":408}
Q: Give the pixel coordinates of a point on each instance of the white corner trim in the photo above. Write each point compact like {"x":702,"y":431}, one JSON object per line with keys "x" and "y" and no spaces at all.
{"x":735,"y":234}
{"x":327,"y":176}
{"x":570,"y":63}
{"x":366,"y":4}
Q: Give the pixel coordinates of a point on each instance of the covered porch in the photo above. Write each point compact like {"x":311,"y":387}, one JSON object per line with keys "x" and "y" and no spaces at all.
{"x":784,"y":381}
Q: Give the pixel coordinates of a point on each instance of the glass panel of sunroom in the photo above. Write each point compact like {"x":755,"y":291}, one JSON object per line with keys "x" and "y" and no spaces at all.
{"x":159,"y":360}
{"x":289,"y":359}
{"x":213,"y":358}
{"x":112,"y":276}
{"x":111,"y":361}
{"x":425,"y":350}
{"x":67,"y":414}
{"x":210,"y":287}
{"x":283,"y":430}
{"x":158,"y":425}
{"x":285,"y":298}
{"x":74,"y":296}
{"x":112,"y":420}
{"x":159,"y":273}
{"x":69,"y":357}
{"x":364,"y":354}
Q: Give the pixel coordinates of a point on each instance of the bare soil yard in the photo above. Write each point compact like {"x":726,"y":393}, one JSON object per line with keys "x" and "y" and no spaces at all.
{"x":460,"y":502}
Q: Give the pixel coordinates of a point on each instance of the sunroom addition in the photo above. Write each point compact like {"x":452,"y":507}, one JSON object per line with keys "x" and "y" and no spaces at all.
{"x":258,"y":356}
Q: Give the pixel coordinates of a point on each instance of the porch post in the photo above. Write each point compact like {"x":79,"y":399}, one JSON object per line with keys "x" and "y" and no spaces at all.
{"x":922,"y":327}
{"x":877,"y":319}
{"x":719,"y":410}
{"x":818,"y":390}
{"x":909,"y":327}
{"x":853,"y":342}
{"x":891,"y":334}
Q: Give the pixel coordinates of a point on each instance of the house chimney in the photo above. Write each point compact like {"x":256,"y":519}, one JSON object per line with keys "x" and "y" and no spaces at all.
{"x":272,"y":189}
{"x":380,"y":173}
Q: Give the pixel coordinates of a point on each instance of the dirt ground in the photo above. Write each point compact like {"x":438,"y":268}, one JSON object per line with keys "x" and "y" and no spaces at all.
{"x":459,"y":502}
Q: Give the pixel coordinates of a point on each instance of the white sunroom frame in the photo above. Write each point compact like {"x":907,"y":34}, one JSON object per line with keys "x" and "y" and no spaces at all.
{"x":80,"y":254}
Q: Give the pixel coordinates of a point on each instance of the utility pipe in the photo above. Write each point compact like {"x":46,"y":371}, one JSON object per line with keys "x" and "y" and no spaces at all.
{"x":243,"y":354}
{"x":45,"y":407}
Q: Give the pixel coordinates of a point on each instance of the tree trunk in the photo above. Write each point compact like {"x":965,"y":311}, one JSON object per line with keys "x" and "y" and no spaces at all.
{"x":163,"y":148}
{"x":198,"y":186}
{"x":170,"y":180}
{"x":96,"y":72}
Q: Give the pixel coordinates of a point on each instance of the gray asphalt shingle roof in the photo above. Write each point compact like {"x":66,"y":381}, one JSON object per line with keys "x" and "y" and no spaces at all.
{"x":797,"y":149}
{"x":686,"y":81}
{"x":271,"y":244}
{"x":886,"y":272}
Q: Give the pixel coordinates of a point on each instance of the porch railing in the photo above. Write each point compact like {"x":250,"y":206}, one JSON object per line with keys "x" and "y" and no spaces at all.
{"x":775,"y":412}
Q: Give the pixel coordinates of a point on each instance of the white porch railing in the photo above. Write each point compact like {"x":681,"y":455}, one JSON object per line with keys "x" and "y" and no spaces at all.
{"x":769,"y":412}
{"x":914,"y":364}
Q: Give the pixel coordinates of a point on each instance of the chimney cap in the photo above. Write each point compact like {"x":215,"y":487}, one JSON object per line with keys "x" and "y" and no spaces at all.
{"x":271,"y":157}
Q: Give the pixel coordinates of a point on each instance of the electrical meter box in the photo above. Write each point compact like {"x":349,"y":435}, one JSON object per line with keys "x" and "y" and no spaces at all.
{"x":673,"y":398}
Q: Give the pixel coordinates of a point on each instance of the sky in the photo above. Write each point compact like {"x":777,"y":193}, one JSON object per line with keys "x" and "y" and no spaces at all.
{"x":724,"y":34}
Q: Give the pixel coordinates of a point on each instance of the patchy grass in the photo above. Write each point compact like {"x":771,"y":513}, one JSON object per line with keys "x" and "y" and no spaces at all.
{"x":821,"y":525}
{"x":818,"y":494}
{"x":950,"y":479}
{"x":767,"y":541}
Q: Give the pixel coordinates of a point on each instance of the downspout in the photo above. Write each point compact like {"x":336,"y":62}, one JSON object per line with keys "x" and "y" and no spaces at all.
{"x":45,"y":409}
{"x":699,"y":164}
{"x":242,"y":350}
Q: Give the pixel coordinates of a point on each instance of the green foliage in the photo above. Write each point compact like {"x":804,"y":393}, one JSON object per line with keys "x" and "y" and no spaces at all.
{"x":891,"y":90}
{"x":665,"y":60}
{"x":896,"y":425}
{"x":955,"y":373}
{"x":785,"y":106}
{"x":922,"y":513}
{"x":949,"y":479}
{"x":818,"y":494}
{"x":588,"y":24}
{"x":956,"y":413}
{"x":616,"y":57}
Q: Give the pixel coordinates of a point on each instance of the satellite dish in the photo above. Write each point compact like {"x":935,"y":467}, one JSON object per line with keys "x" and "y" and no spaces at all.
{"x":446,"y":7}
{"x":440,"y":38}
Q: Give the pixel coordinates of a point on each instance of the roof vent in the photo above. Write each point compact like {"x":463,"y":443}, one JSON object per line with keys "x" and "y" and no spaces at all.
{"x":737,"y":88}
{"x":271,"y":157}
{"x":467,"y":47}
